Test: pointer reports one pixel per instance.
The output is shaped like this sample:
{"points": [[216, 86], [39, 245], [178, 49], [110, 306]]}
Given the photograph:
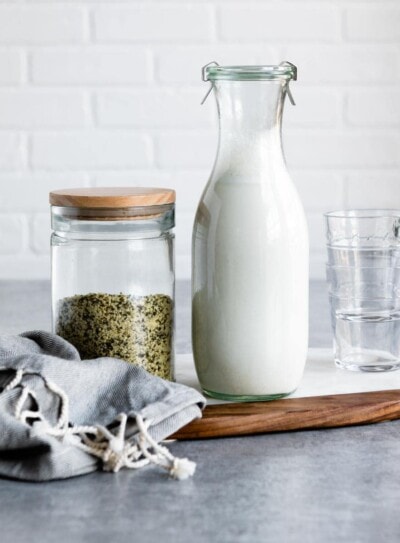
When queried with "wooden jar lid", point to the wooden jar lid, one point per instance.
{"points": [[107, 197]]}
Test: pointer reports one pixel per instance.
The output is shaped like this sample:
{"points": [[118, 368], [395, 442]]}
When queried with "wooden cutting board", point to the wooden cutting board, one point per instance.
{"points": [[239, 419]]}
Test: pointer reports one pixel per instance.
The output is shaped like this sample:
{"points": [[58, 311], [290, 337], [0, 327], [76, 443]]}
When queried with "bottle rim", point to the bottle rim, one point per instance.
{"points": [[360, 214], [284, 70]]}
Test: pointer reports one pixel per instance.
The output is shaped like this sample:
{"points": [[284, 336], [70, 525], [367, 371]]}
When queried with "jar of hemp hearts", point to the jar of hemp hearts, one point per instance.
{"points": [[113, 273]]}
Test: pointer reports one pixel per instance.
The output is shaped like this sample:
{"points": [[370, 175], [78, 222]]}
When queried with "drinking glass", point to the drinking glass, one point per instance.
{"points": [[363, 274]]}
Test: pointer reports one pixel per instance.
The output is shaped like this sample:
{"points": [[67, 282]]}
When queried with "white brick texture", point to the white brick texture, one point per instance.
{"points": [[41, 25], [41, 109], [247, 22], [374, 108], [12, 234], [316, 108], [40, 239], [373, 23], [153, 109], [89, 66], [10, 67], [96, 93], [28, 191], [11, 152], [372, 190], [89, 150], [348, 150], [154, 23]]}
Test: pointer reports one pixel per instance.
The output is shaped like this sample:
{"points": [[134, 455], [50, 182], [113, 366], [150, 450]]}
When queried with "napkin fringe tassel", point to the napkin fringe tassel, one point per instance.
{"points": [[111, 447]]}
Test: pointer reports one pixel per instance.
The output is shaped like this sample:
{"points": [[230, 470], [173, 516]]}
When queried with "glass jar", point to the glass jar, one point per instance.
{"points": [[113, 274], [250, 246]]}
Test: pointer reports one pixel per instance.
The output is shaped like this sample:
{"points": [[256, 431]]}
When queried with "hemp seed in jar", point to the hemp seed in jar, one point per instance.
{"points": [[113, 274]]}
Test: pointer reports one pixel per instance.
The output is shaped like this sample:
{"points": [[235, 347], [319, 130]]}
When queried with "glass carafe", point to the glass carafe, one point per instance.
{"points": [[250, 246]]}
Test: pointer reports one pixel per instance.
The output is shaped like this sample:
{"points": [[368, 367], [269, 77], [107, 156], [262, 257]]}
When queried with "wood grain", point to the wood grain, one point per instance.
{"points": [[111, 197], [239, 419]]}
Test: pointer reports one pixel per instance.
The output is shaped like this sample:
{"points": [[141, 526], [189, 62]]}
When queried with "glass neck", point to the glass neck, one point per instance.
{"points": [[250, 118]]}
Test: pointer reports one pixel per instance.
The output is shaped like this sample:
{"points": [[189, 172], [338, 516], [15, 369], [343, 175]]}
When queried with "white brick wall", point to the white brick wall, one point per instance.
{"points": [[297, 22], [175, 22], [89, 149], [373, 108], [38, 109], [373, 23], [107, 93], [90, 65], [38, 25], [11, 62], [12, 147]]}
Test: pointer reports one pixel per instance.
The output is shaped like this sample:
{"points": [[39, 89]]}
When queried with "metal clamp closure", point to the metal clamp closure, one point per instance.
{"points": [[294, 68], [203, 70], [204, 78]]}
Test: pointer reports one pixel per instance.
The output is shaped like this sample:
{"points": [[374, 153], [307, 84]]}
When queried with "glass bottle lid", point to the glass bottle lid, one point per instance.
{"points": [[111, 197], [285, 70]]}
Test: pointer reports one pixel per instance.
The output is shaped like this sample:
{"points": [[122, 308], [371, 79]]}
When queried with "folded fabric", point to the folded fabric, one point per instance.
{"points": [[61, 416]]}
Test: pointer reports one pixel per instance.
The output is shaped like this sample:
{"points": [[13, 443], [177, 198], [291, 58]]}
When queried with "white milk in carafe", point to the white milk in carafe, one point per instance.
{"points": [[250, 284]]}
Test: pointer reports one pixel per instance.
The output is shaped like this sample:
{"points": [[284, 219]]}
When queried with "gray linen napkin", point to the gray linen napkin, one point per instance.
{"points": [[61, 416]]}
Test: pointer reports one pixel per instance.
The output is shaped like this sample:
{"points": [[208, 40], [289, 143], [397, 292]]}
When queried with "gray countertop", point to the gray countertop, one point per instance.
{"points": [[315, 486]]}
